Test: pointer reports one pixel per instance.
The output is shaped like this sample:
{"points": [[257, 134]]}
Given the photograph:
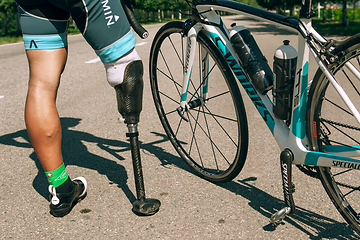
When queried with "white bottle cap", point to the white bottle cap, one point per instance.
{"points": [[286, 51]]}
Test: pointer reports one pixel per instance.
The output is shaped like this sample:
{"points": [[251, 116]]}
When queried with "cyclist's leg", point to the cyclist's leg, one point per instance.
{"points": [[41, 116], [113, 41], [45, 47], [45, 44]]}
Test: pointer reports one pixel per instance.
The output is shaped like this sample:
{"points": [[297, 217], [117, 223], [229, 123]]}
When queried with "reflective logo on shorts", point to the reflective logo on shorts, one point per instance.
{"points": [[108, 13], [33, 42]]}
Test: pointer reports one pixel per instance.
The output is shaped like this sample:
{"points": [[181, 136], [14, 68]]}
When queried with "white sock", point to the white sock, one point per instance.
{"points": [[115, 69]]}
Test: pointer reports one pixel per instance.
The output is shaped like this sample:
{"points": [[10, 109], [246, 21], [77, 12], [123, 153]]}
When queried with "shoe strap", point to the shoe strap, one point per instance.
{"points": [[54, 200]]}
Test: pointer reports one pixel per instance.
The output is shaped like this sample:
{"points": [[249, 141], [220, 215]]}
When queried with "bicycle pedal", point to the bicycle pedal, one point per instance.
{"points": [[277, 217]]}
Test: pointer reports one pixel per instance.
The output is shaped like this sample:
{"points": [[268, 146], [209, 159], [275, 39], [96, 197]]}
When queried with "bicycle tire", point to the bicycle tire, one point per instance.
{"points": [[214, 142], [328, 122]]}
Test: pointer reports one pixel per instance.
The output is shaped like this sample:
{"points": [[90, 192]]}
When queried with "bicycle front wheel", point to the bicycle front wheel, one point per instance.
{"points": [[330, 122], [211, 136]]}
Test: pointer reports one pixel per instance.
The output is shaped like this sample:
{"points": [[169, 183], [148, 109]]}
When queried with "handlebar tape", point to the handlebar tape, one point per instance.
{"points": [[142, 32]]}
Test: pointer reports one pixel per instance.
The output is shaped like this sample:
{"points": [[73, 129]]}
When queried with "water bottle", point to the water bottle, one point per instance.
{"points": [[284, 67], [252, 60]]}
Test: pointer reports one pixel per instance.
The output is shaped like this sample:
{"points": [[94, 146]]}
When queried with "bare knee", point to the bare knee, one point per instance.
{"points": [[46, 67]]}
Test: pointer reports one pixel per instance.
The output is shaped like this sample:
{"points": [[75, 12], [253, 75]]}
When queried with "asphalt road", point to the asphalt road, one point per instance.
{"points": [[95, 147]]}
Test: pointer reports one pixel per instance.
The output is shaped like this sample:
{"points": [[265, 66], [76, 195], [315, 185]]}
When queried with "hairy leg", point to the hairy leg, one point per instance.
{"points": [[41, 116]]}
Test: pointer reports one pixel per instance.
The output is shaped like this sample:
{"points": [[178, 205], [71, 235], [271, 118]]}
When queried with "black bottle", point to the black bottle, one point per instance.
{"points": [[285, 59], [252, 60]]}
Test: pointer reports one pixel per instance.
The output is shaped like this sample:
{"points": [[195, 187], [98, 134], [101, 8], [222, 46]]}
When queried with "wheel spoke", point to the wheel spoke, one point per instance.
{"points": [[176, 51], [212, 145], [193, 138], [338, 106], [352, 84], [339, 173], [177, 85], [216, 115], [175, 101], [213, 115], [218, 95]]}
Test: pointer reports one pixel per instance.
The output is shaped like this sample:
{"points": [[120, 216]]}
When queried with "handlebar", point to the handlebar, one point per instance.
{"points": [[142, 32]]}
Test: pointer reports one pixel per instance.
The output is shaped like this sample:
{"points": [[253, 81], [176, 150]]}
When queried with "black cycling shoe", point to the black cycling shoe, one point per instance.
{"points": [[62, 203]]}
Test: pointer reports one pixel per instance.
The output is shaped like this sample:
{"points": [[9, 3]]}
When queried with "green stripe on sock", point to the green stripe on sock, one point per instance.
{"points": [[57, 176]]}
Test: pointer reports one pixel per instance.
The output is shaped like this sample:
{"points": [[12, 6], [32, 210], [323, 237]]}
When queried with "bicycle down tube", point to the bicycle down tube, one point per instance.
{"points": [[294, 136]]}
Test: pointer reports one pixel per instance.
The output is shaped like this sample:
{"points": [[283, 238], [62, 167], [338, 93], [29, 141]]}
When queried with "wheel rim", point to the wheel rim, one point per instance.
{"points": [[210, 140], [330, 124]]}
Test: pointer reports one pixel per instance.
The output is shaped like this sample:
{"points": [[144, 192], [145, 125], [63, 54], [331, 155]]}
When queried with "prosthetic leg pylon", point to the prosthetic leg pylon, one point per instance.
{"points": [[129, 99]]}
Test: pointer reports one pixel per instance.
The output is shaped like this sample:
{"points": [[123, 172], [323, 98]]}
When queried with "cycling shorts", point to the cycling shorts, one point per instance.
{"points": [[103, 23]]}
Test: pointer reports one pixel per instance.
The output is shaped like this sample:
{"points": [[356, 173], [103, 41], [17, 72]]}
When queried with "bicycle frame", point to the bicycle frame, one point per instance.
{"points": [[291, 137]]}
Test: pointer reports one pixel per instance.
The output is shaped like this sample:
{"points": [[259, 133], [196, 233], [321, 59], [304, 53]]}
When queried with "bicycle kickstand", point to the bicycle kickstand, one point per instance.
{"points": [[286, 158]]}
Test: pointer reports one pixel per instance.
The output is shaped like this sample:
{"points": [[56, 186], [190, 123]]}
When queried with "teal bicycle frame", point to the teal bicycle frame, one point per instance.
{"points": [[291, 137]]}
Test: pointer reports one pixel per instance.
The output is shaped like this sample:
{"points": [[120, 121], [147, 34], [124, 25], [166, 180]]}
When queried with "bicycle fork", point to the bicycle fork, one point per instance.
{"points": [[200, 96], [286, 159]]}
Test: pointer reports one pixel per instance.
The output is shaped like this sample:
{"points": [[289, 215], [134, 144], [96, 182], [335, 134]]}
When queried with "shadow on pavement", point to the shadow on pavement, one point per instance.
{"points": [[76, 153], [264, 27], [314, 225]]}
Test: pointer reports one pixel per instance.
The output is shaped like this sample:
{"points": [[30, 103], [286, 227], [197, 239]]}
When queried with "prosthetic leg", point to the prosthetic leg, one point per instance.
{"points": [[129, 99]]}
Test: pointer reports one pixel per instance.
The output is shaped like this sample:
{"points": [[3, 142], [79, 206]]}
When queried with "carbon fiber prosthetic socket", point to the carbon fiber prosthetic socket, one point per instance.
{"points": [[129, 93]]}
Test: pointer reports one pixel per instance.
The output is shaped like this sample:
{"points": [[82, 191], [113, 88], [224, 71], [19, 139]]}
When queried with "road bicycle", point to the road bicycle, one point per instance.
{"points": [[196, 68]]}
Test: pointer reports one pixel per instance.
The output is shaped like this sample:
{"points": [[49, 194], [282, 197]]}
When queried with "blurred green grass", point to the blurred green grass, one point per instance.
{"points": [[335, 28]]}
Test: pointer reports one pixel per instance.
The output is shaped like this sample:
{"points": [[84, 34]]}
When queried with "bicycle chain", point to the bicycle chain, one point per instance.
{"points": [[347, 186], [310, 171], [340, 124]]}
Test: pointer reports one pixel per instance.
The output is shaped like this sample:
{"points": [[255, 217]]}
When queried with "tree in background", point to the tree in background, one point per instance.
{"points": [[253, 3], [279, 5], [148, 6], [159, 6], [345, 17], [354, 7], [8, 9], [282, 5], [324, 19], [344, 3], [345, 14]]}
